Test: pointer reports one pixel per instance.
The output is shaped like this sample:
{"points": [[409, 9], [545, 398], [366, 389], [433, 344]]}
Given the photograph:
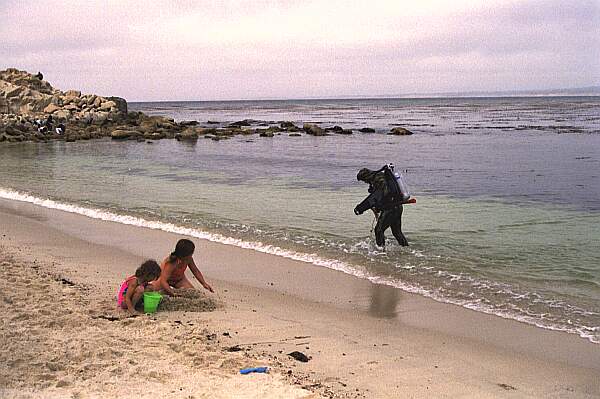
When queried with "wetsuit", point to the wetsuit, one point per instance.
{"points": [[389, 213]]}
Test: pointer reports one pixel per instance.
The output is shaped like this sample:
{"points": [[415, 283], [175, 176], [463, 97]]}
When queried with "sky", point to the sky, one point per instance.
{"points": [[225, 50]]}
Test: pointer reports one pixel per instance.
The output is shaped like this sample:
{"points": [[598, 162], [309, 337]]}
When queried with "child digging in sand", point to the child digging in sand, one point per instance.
{"points": [[132, 289], [174, 267]]}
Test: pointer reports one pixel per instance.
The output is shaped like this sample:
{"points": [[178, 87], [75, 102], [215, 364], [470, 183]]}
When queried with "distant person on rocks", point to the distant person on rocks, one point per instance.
{"points": [[60, 129], [49, 123], [174, 267], [39, 76], [40, 126], [387, 209]]}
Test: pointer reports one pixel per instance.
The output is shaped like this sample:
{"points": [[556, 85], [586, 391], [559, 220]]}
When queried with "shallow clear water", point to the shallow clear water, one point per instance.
{"points": [[507, 221]]}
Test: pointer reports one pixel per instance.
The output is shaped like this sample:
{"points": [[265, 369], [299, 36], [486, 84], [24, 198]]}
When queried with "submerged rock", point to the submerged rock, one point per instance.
{"points": [[266, 133], [366, 130], [290, 126], [314, 130], [188, 134], [400, 131]]}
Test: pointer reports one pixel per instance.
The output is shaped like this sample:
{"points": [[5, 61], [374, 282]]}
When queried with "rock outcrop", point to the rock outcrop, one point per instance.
{"points": [[31, 110], [25, 94]]}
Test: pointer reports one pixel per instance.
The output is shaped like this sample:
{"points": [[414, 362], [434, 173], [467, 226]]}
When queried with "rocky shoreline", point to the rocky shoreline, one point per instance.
{"points": [[30, 108]]}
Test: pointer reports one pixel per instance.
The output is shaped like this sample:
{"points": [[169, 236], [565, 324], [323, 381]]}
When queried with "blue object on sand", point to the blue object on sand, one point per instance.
{"points": [[254, 370]]}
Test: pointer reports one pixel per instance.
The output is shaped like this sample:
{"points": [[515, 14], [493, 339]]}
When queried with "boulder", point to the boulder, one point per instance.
{"points": [[164, 122], [366, 130], [205, 130], [123, 134], [400, 131], [245, 122], [40, 104], [294, 135], [26, 109], [72, 93], [313, 130], [16, 139], [188, 123], [121, 104], [274, 129], [188, 134], [62, 114], [288, 125], [227, 132], [266, 133], [155, 136], [13, 91], [107, 105], [147, 126], [11, 131], [100, 118]]}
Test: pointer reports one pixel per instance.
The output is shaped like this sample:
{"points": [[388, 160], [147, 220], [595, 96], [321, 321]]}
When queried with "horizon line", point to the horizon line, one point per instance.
{"points": [[381, 97]]}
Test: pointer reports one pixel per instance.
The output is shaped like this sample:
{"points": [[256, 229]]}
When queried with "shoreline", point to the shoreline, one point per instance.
{"points": [[306, 258], [377, 339]]}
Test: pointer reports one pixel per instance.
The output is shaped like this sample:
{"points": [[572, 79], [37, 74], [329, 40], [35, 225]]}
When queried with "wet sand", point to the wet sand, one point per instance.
{"points": [[363, 340]]}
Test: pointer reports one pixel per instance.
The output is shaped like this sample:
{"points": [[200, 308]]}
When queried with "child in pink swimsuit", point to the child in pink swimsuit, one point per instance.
{"points": [[132, 289]]}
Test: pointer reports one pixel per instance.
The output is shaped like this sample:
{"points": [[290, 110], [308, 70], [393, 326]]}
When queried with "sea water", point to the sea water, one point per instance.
{"points": [[507, 219]]}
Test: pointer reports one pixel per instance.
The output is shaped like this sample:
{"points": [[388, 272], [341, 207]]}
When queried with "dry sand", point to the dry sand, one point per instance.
{"points": [[63, 339], [61, 336]]}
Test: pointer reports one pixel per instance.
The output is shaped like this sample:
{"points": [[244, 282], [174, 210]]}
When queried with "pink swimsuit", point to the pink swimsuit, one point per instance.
{"points": [[122, 291]]}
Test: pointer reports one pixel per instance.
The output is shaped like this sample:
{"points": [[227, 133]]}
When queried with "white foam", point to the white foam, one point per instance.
{"points": [[477, 305]]}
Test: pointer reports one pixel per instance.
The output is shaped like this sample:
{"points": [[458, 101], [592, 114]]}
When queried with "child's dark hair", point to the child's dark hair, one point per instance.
{"points": [[183, 248], [148, 269]]}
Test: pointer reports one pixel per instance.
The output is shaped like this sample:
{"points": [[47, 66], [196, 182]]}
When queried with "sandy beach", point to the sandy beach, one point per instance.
{"points": [[61, 335]]}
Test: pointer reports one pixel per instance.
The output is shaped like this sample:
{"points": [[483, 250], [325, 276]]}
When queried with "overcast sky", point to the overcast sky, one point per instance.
{"points": [[212, 50]]}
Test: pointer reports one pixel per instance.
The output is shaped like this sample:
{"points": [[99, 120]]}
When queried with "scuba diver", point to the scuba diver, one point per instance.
{"points": [[387, 193]]}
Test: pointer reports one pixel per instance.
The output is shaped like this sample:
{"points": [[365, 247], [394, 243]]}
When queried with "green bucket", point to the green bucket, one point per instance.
{"points": [[151, 301]]}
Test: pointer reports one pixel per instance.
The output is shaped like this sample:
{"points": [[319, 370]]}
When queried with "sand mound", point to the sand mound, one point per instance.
{"points": [[188, 300]]}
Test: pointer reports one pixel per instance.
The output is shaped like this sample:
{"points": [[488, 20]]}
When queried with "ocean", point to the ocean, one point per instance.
{"points": [[507, 219]]}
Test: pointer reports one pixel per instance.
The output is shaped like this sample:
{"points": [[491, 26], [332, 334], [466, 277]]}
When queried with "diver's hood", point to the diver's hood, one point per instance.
{"points": [[365, 175]]}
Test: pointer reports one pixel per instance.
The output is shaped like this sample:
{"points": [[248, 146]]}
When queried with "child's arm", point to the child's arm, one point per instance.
{"points": [[131, 287], [196, 272], [163, 280]]}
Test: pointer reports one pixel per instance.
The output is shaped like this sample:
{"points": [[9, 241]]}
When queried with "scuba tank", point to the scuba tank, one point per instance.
{"points": [[397, 191], [397, 187]]}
